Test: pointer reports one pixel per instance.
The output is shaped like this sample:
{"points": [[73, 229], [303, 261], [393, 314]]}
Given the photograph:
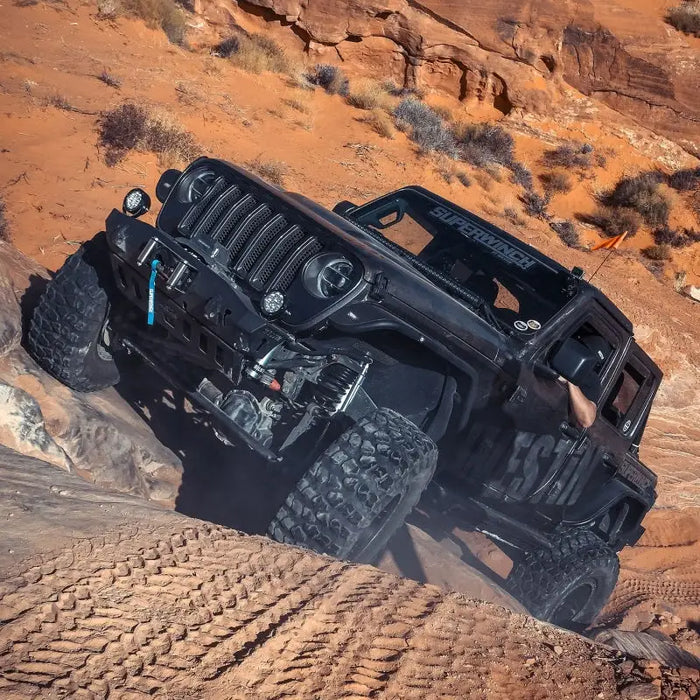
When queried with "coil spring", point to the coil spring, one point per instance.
{"points": [[334, 382]]}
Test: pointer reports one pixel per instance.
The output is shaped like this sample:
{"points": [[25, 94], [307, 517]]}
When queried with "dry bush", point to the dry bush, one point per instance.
{"points": [[424, 126], [535, 205], [395, 91], [642, 194], [494, 171], [521, 175], [554, 182], [226, 47], [567, 233], [613, 221], [676, 238], [685, 17], [570, 155], [657, 252], [685, 180], [464, 179], [514, 216], [109, 79], [256, 53], [480, 144], [60, 102], [131, 127], [331, 78], [108, 9], [483, 179], [369, 94], [380, 122], [4, 223], [273, 171], [158, 13]]}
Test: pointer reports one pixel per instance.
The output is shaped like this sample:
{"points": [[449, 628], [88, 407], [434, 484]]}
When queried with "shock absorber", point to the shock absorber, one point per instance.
{"points": [[337, 385]]}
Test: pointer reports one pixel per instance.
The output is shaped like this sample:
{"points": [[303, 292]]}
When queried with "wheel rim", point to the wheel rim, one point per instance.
{"points": [[372, 533], [574, 604]]}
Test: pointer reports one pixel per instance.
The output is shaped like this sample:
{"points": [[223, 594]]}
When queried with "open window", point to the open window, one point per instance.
{"points": [[628, 396]]}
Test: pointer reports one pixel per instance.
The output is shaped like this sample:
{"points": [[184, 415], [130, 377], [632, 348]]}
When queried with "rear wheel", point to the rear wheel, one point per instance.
{"points": [[361, 489], [69, 334], [568, 584]]}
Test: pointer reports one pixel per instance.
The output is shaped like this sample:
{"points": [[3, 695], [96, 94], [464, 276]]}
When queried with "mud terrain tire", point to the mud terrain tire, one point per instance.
{"points": [[68, 322], [568, 584], [359, 492]]}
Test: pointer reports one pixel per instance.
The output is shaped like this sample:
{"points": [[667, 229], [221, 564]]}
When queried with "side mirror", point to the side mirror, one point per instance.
{"points": [[166, 183], [574, 361]]}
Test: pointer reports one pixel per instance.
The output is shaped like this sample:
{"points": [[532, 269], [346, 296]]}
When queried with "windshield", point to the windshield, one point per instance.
{"points": [[523, 289]]}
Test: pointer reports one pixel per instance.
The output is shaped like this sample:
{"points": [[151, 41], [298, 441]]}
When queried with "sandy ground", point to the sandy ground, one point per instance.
{"points": [[58, 190]]}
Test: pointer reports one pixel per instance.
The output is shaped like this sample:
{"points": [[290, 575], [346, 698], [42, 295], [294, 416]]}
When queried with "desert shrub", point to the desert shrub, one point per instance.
{"points": [[464, 179], [642, 194], [227, 47], [513, 216], [555, 182], [480, 144], [390, 87], [4, 224], [380, 122], [109, 79], [685, 17], [676, 238], [425, 127], [158, 13], [131, 127], [535, 205], [368, 94], [297, 104], [657, 252], [567, 233], [613, 221], [60, 102], [570, 155], [685, 180], [273, 171], [521, 176], [257, 53], [331, 78]]}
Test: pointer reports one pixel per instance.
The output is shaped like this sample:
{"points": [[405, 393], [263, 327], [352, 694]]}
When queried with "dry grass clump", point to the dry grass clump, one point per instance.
{"points": [[298, 103], [109, 79], [131, 127], [613, 221], [256, 53], [156, 13], [535, 205], [331, 78], [657, 252], [555, 182], [567, 233], [60, 102], [642, 194], [426, 127], [380, 122], [4, 223], [685, 17], [464, 179], [273, 171], [369, 94]]}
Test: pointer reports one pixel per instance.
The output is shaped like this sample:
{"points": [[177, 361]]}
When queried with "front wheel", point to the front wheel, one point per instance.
{"points": [[360, 490], [68, 333], [569, 583]]}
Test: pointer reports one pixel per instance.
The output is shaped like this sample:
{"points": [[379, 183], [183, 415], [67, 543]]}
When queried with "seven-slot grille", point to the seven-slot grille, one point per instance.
{"points": [[266, 250]]}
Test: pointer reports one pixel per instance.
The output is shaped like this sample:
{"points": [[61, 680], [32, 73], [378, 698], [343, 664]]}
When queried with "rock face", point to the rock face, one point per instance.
{"points": [[510, 53], [98, 436]]}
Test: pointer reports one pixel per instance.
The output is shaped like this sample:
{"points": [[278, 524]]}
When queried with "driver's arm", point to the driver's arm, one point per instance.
{"points": [[583, 408]]}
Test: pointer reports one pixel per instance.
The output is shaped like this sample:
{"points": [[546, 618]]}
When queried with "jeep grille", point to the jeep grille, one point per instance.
{"points": [[266, 251]]}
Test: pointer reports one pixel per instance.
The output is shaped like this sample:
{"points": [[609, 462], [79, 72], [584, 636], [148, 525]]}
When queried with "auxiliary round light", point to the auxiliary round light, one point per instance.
{"points": [[272, 303], [136, 202]]}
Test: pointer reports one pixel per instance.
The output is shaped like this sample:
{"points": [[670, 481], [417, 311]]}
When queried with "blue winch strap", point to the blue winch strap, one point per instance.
{"points": [[152, 291]]}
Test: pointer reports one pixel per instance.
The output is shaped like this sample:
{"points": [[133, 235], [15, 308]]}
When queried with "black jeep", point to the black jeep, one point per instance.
{"points": [[379, 346]]}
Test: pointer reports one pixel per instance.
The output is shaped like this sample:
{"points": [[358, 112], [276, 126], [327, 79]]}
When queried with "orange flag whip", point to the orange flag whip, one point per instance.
{"points": [[610, 244]]}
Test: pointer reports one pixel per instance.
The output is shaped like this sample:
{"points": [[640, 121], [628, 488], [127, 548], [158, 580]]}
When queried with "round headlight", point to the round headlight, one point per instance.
{"points": [[136, 202], [328, 275], [272, 303], [195, 185]]}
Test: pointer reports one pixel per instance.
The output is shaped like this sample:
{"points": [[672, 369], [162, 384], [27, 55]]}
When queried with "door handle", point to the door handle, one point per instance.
{"points": [[571, 431]]}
